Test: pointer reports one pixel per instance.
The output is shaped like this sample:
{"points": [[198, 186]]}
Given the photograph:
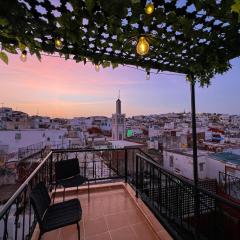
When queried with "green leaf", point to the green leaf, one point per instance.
{"points": [[236, 7], [90, 4], [135, 1], [38, 55], [3, 21], [106, 64], [10, 49], [114, 65], [4, 57], [21, 46]]}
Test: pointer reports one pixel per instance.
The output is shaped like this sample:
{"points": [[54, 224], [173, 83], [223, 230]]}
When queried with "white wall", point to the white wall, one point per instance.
{"points": [[214, 167], [29, 137], [183, 165]]}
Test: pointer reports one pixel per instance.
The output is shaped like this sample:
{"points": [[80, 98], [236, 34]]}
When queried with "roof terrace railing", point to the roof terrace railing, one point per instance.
{"points": [[172, 199], [229, 185]]}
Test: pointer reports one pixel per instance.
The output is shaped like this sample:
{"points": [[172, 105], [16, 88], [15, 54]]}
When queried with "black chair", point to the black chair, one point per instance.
{"points": [[67, 174], [51, 217]]}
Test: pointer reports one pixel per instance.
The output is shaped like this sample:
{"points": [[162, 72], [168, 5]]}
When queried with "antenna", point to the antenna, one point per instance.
{"points": [[118, 94]]}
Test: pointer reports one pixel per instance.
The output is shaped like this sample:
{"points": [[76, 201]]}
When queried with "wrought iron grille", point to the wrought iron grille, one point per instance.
{"points": [[185, 211]]}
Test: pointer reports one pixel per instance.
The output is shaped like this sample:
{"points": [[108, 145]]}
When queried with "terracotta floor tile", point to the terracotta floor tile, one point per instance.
{"points": [[143, 232], [110, 214], [111, 207], [116, 220], [95, 226], [93, 210], [134, 216], [156, 224], [70, 232], [101, 236], [145, 209], [56, 234], [125, 233]]}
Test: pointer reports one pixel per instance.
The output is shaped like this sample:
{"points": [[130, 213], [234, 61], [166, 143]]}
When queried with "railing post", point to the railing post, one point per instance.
{"points": [[195, 157], [51, 169], [126, 165], [136, 174]]}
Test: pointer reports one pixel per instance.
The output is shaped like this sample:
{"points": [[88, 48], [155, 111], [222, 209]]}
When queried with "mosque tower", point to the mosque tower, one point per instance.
{"points": [[118, 123]]}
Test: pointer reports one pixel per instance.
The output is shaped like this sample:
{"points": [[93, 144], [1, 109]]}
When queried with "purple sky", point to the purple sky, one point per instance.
{"points": [[60, 88]]}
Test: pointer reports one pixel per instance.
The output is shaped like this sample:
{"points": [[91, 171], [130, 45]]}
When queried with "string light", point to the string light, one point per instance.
{"points": [[58, 44], [97, 67], [142, 46], [23, 56], [128, 66], [148, 76], [149, 8]]}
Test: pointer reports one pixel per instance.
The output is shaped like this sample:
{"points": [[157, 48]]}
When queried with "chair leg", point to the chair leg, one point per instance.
{"points": [[88, 190], [78, 228], [54, 193]]}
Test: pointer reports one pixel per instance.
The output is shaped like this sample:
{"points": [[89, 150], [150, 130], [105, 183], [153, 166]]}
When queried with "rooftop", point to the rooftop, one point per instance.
{"points": [[123, 143], [187, 152], [227, 157], [110, 213]]}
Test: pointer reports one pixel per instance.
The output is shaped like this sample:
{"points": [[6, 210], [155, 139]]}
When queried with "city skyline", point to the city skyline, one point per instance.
{"points": [[74, 90]]}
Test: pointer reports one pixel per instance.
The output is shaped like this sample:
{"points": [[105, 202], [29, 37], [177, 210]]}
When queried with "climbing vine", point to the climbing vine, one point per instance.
{"points": [[197, 37]]}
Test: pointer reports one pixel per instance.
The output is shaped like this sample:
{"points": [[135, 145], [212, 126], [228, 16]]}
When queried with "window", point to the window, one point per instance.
{"points": [[171, 161], [201, 167], [18, 136], [48, 139]]}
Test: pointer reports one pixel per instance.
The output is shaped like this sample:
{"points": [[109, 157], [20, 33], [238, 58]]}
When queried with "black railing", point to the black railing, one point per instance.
{"points": [[229, 185], [17, 220], [28, 151], [172, 199]]}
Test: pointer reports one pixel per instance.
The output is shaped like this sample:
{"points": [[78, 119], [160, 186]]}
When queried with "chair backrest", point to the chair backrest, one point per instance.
{"points": [[40, 201], [66, 169]]}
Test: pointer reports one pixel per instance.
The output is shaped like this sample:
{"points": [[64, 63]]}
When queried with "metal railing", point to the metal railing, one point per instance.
{"points": [[229, 185], [186, 211], [172, 199], [17, 220], [28, 151]]}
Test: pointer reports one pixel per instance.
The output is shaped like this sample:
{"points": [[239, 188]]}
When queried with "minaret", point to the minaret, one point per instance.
{"points": [[118, 122]]}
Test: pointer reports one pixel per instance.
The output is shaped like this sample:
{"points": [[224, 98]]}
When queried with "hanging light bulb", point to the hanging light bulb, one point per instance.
{"points": [[58, 44], [97, 67], [23, 56], [148, 76], [149, 8], [142, 46]]}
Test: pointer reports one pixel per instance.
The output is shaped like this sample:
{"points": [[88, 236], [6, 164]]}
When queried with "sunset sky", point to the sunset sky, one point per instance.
{"points": [[60, 88]]}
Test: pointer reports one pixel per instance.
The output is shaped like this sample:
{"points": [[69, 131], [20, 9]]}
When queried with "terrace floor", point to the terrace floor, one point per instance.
{"points": [[111, 213]]}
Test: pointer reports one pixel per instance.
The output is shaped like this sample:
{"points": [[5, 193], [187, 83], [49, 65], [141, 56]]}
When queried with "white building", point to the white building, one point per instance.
{"points": [[154, 131], [180, 161], [228, 162], [13, 140], [118, 123]]}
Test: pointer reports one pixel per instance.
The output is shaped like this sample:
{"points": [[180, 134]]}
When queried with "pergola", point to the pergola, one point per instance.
{"points": [[193, 37]]}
